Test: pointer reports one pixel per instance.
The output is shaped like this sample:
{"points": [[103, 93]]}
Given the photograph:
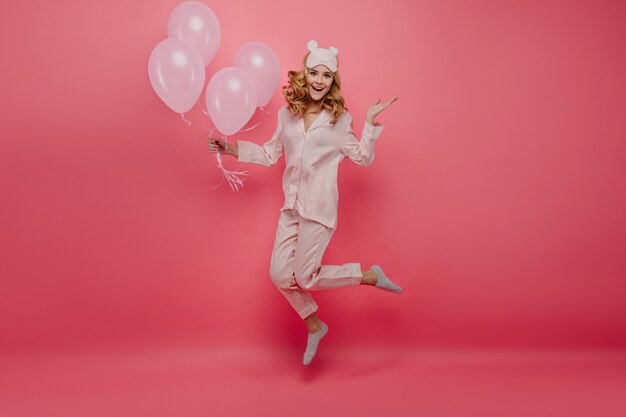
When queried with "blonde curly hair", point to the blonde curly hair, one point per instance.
{"points": [[297, 95]]}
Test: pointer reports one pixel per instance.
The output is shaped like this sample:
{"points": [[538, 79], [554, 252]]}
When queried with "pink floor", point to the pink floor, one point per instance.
{"points": [[197, 382]]}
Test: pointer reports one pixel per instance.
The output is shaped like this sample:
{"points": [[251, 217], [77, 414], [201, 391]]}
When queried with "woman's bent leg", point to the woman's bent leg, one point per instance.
{"points": [[310, 274], [282, 265]]}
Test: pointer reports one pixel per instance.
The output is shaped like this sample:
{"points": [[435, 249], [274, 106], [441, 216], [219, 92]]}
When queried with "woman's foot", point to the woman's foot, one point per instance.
{"points": [[383, 282], [313, 342]]}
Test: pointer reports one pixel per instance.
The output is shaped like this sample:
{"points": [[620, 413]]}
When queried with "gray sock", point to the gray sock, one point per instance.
{"points": [[385, 283], [314, 340]]}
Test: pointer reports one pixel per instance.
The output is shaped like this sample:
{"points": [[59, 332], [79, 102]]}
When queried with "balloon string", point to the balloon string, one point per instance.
{"points": [[253, 127], [250, 128], [206, 113], [231, 176], [189, 123]]}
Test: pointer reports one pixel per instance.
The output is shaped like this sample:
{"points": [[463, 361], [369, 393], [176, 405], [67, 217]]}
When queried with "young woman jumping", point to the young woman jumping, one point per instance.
{"points": [[314, 131]]}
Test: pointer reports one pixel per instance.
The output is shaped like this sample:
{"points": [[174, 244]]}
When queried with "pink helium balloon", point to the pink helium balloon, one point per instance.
{"points": [[262, 64], [176, 73], [194, 22], [231, 99]]}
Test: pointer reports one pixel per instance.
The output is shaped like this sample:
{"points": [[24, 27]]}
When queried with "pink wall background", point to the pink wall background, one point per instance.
{"points": [[496, 199]]}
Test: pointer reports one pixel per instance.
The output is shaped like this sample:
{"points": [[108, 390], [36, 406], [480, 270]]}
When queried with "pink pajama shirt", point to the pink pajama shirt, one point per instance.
{"points": [[309, 215]]}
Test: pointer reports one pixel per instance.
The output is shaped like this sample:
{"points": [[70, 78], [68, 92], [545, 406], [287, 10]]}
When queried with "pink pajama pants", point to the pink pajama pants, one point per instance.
{"points": [[296, 266]]}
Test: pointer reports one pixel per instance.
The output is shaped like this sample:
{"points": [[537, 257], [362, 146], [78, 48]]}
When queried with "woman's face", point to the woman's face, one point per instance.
{"points": [[319, 79]]}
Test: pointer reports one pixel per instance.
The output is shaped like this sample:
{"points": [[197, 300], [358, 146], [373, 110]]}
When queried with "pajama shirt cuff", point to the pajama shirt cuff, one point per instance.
{"points": [[244, 150], [371, 132]]}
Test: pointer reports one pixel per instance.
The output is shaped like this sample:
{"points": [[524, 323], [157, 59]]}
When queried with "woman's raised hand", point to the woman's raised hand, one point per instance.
{"points": [[376, 108], [218, 145]]}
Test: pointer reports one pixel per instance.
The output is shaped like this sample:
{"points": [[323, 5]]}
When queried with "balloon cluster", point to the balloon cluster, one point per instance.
{"points": [[177, 68], [177, 71]]}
